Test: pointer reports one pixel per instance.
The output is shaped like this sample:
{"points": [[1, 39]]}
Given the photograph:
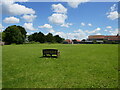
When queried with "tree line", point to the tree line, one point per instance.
{"points": [[49, 38], [17, 34]]}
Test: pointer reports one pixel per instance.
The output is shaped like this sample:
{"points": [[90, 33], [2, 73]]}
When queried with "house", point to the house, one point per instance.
{"points": [[67, 41], [2, 43], [96, 37], [112, 38], [103, 38], [75, 41]]}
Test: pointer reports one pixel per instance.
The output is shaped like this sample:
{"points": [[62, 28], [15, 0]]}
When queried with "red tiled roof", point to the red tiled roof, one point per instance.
{"points": [[96, 36], [78, 40], [68, 40], [104, 37]]}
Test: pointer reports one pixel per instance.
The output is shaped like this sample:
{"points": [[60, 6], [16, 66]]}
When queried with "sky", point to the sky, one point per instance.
{"points": [[70, 20]]}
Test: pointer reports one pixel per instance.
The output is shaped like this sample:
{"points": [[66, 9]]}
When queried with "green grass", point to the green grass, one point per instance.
{"points": [[0, 67], [79, 66]]}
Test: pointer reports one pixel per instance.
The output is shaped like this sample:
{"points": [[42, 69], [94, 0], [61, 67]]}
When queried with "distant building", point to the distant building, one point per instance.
{"points": [[2, 43], [75, 41], [67, 41], [112, 38], [102, 38], [96, 37]]}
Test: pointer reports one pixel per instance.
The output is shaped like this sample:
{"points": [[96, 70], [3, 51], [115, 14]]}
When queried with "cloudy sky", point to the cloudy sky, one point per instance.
{"points": [[73, 20]]}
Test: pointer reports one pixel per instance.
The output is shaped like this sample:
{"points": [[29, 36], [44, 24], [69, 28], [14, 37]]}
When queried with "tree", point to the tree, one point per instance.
{"points": [[83, 40], [2, 36], [30, 38], [37, 37], [94, 41], [34, 36], [14, 34], [58, 39], [41, 37], [23, 31], [50, 38]]}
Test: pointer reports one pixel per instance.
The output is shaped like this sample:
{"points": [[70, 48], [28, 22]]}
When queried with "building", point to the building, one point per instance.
{"points": [[112, 38], [96, 37], [2, 43], [104, 39], [67, 41], [75, 41]]}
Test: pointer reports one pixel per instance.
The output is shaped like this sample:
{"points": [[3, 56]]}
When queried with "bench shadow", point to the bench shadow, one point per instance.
{"points": [[48, 57]]}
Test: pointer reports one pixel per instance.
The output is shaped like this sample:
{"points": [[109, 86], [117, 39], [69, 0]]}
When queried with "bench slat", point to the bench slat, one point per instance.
{"points": [[51, 52]]}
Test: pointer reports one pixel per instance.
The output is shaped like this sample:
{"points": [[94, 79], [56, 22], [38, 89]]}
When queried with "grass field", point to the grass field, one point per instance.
{"points": [[79, 66]]}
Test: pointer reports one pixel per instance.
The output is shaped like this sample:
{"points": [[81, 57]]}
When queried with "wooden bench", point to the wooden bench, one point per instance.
{"points": [[51, 52]]}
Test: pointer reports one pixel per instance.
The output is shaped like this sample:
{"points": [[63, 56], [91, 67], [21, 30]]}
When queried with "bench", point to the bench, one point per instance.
{"points": [[51, 52]]}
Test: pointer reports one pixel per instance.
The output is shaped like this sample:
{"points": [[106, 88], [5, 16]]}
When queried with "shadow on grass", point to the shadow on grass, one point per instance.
{"points": [[48, 57]]}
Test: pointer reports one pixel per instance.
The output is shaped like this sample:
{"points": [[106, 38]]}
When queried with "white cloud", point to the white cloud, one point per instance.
{"points": [[1, 27], [94, 31], [82, 24], [89, 24], [45, 26], [52, 31], [98, 29], [81, 33], [113, 8], [78, 34], [109, 27], [59, 8], [11, 20], [76, 3], [113, 13], [66, 25], [12, 8], [105, 30], [29, 33], [29, 18], [115, 32], [21, 0], [57, 18], [98, 34], [29, 26], [61, 34]]}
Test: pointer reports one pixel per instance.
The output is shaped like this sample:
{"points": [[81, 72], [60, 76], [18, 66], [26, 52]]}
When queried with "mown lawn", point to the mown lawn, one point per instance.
{"points": [[79, 66]]}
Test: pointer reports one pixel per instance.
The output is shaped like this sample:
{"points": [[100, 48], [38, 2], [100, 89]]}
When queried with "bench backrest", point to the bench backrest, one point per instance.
{"points": [[50, 51]]}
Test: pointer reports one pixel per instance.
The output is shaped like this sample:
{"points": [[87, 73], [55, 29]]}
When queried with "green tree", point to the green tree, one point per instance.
{"points": [[83, 40], [14, 34], [41, 37], [50, 38], [30, 38], [3, 36], [58, 39], [37, 37], [23, 31], [94, 41]]}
